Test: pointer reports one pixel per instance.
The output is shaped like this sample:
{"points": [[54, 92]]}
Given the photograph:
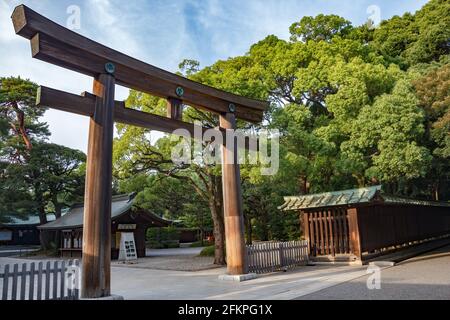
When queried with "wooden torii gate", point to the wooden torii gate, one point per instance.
{"points": [[57, 45]]}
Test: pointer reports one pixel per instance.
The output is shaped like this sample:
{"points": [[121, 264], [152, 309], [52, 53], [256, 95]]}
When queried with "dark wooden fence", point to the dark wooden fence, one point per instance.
{"points": [[39, 281], [328, 231], [390, 225], [265, 257]]}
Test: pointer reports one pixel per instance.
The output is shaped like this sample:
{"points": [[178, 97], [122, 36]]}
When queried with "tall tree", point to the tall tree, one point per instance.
{"points": [[17, 108], [321, 27]]}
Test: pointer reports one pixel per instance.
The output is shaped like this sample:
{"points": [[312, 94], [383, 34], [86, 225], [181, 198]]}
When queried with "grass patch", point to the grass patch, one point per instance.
{"points": [[207, 252], [199, 244]]}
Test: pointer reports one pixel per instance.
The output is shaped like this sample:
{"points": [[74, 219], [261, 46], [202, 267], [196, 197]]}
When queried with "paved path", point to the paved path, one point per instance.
{"points": [[424, 277], [142, 284], [8, 251]]}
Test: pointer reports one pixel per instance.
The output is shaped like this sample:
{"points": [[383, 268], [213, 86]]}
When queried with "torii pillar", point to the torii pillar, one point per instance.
{"points": [[59, 46], [96, 267], [237, 267]]}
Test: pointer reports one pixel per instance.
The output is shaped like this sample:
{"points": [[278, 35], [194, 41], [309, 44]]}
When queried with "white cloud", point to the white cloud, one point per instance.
{"points": [[112, 26], [162, 33]]}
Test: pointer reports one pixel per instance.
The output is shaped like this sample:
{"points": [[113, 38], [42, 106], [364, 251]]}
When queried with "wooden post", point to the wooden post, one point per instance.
{"points": [[175, 109], [232, 204], [97, 206], [304, 218], [355, 240]]}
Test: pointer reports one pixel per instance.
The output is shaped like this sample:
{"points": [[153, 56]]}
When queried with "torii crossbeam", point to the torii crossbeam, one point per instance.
{"points": [[55, 44]]}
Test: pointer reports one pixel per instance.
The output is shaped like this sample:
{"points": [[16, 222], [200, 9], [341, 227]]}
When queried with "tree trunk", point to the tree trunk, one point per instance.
{"points": [[248, 228], [219, 232], [58, 209], [22, 130]]}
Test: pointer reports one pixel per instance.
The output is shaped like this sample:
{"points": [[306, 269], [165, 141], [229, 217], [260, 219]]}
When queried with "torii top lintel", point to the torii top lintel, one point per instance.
{"points": [[55, 44]]}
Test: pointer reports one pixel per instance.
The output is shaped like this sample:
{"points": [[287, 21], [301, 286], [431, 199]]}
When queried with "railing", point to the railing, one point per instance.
{"points": [[52, 281], [265, 257]]}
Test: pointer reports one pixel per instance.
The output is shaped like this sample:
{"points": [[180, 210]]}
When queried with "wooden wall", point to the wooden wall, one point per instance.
{"points": [[366, 229], [383, 225]]}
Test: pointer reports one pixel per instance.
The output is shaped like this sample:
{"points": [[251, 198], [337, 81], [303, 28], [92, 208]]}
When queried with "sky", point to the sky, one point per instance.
{"points": [[163, 33]]}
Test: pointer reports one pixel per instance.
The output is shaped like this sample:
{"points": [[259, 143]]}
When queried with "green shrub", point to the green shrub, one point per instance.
{"points": [[208, 252], [170, 244], [163, 234], [200, 244], [154, 245]]}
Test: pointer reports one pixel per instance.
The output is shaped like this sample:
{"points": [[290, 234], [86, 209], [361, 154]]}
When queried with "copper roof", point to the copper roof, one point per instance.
{"points": [[349, 197], [119, 206]]}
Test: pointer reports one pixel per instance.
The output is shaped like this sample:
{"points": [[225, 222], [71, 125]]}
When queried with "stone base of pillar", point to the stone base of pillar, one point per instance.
{"points": [[111, 297], [238, 278]]}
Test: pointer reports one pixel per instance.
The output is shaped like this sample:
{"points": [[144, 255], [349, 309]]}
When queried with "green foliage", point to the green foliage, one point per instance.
{"points": [[321, 27], [36, 176], [355, 106], [207, 252], [387, 135], [163, 238], [199, 244], [419, 38]]}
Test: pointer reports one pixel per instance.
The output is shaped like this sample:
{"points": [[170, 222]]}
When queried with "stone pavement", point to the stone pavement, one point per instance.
{"points": [[424, 277], [142, 284], [8, 251]]}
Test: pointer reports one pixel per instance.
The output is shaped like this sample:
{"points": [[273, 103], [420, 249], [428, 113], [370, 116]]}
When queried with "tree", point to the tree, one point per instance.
{"points": [[354, 107], [189, 67], [433, 92], [169, 197], [322, 27], [51, 176], [35, 174], [386, 139], [419, 38], [17, 107]]}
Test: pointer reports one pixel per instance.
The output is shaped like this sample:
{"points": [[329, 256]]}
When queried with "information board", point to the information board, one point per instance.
{"points": [[127, 251]]}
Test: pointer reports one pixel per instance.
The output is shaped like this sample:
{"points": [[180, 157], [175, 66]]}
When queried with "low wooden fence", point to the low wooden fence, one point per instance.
{"points": [[265, 257], [38, 281]]}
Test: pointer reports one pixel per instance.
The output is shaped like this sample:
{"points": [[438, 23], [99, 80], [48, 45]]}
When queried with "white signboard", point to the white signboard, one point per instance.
{"points": [[127, 251]]}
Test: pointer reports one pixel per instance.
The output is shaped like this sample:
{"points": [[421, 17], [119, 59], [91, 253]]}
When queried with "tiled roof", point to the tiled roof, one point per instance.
{"points": [[31, 220], [74, 217], [348, 197]]}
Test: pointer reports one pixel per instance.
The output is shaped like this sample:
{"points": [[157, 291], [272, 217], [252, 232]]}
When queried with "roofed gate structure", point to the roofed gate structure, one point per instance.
{"points": [[362, 223], [57, 45], [125, 217]]}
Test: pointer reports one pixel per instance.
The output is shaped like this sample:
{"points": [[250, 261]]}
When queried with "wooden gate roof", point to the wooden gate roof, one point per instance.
{"points": [[348, 198], [60, 46]]}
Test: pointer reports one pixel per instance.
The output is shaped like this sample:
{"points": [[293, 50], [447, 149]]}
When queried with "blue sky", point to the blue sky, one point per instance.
{"points": [[164, 32]]}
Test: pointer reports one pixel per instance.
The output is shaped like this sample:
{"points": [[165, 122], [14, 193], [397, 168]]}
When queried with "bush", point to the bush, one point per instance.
{"points": [[163, 238], [163, 234], [208, 252], [170, 244], [154, 245], [199, 244]]}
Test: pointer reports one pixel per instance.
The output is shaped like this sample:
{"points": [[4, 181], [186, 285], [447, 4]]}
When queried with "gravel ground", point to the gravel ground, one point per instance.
{"points": [[177, 259], [175, 263]]}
